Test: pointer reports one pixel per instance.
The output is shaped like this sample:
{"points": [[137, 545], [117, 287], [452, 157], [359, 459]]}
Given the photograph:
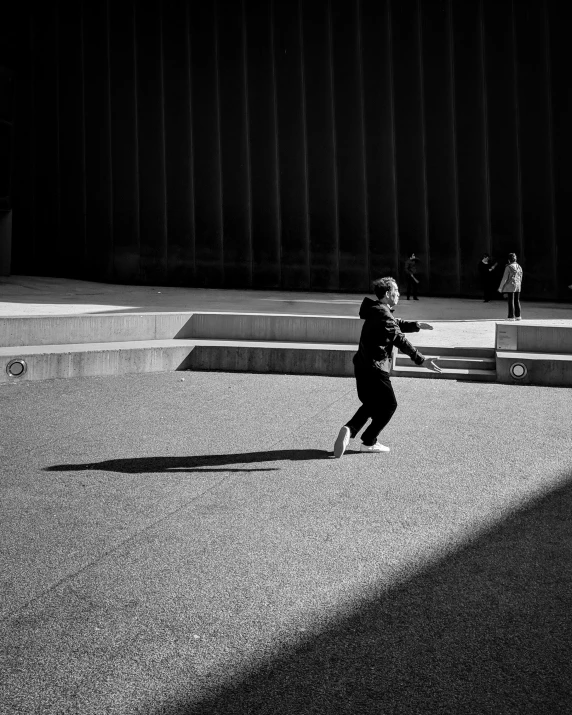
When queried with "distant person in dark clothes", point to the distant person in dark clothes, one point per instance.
{"points": [[372, 365], [487, 273], [412, 280], [510, 285]]}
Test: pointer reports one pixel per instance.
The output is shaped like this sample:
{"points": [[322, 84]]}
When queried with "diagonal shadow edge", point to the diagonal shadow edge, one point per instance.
{"points": [[484, 629]]}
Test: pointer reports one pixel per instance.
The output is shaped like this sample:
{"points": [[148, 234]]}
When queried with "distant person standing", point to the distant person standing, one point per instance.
{"points": [[511, 284], [410, 274], [487, 274]]}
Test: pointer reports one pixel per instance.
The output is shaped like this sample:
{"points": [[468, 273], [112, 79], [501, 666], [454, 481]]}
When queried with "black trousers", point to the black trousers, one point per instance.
{"points": [[513, 300], [411, 287], [375, 392], [489, 289]]}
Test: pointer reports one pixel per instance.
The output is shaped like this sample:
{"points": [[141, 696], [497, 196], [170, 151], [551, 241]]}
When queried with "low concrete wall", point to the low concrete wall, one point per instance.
{"points": [[100, 328], [554, 339], [160, 356], [541, 369], [119, 327], [89, 363], [300, 361], [280, 328], [544, 353]]}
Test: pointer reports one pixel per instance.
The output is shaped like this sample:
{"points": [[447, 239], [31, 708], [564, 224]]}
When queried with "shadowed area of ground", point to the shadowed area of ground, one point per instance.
{"points": [[485, 630], [186, 544]]}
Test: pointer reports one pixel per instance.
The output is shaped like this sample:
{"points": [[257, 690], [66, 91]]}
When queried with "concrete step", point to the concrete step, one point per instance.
{"points": [[100, 328], [43, 362], [122, 327], [476, 375], [534, 368], [451, 362], [454, 351]]}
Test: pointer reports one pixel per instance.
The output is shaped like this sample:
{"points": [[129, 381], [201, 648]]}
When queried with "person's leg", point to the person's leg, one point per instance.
{"points": [[414, 284], [357, 422], [510, 301], [409, 283], [489, 291], [382, 405], [365, 384], [517, 304]]}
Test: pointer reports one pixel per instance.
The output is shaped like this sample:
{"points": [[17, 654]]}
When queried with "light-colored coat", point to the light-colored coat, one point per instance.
{"points": [[512, 279]]}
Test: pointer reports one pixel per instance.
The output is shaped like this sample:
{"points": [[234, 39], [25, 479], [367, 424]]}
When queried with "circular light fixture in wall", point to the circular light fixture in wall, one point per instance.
{"points": [[518, 370], [16, 368]]}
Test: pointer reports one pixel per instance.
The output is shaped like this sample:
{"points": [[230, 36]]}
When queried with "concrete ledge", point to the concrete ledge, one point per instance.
{"points": [[116, 358], [452, 362], [74, 329], [549, 369], [454, 350], [285, 358], [63, 361], [473, 374], [306, 358], [535, 338], [270, 327], [121, 327]]}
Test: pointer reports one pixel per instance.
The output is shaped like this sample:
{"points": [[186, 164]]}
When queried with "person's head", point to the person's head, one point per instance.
{"points": [[512, 257], [412, 257], [386, 291], [485, 258]]}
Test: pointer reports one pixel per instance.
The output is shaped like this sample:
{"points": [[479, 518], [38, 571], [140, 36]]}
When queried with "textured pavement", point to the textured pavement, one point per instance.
{"points": [[184, 543]]}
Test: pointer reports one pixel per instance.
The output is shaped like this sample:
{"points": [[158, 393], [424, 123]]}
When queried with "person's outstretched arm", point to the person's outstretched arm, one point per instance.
{"points": [[401, 343]]}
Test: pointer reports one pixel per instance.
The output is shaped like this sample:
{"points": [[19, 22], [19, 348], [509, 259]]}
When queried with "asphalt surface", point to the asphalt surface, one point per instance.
{"points": [[185, 543]]}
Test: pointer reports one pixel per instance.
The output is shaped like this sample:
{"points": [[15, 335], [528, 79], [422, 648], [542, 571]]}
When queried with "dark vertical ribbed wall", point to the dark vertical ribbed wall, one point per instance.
{"points": [[301, 145]]}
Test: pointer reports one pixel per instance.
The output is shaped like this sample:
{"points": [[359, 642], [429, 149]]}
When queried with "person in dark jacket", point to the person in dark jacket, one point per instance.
{"points": [[487, 269], [412, 280], [381, 332]]}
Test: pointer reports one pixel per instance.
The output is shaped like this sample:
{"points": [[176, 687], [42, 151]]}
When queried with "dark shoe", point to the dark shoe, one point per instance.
{"points": [[342, 441], [415, 298]]}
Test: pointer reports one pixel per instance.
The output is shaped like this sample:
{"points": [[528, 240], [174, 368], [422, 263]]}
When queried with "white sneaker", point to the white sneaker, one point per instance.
{"points": [[377, 447], [517, 318], [342, 441]]}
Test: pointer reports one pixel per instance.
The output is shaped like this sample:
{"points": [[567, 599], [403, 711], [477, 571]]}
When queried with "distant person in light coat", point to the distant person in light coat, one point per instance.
{"points": [[510, 285]]}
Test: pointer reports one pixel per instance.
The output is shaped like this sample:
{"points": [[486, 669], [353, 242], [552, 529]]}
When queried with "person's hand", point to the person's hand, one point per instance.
{"points": [[499, 290], [425, 326], [430, 365]]}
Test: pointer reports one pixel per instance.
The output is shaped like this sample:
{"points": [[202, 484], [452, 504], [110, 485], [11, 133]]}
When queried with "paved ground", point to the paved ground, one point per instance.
{"points": [[458, 322], [184, 543]]}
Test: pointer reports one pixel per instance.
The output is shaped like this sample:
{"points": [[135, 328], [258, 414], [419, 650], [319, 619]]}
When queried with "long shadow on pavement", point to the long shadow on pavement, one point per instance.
{"points": [[486, 630], [200, 462]]}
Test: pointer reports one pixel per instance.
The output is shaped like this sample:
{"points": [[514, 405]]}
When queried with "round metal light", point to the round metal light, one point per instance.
{"points": [[518, 370], [16, 368]]}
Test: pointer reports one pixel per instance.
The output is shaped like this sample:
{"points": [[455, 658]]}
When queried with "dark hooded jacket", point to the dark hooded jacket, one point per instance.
{"points": [[380, 332]]}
